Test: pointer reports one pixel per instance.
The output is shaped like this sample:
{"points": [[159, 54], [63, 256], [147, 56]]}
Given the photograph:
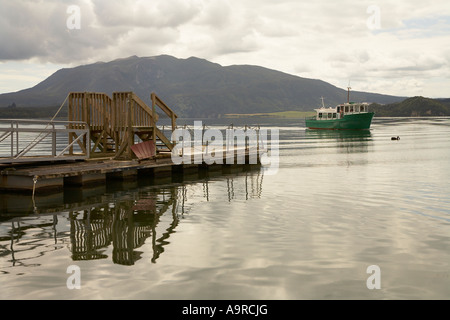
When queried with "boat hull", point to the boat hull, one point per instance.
{"points": [[357, 121]]}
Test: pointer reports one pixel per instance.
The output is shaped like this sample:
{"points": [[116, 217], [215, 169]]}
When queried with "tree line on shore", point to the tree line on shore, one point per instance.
{"points": [[410, 107]]}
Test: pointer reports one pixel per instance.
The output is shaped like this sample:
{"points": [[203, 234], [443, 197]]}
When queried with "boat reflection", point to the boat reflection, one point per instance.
{"points": [[117, 225], [345, 141], [338, 134]]}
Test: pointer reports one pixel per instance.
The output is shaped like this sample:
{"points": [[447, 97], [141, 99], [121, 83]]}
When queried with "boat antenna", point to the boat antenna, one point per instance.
{"points": [[323, 105], [348, 92]]}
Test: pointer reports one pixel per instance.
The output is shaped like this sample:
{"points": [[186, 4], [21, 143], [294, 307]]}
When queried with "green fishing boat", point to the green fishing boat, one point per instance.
{"points": [[350, 116]]}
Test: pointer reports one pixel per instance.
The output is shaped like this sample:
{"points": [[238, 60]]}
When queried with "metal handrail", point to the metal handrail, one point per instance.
{"points": [[44, 129]]}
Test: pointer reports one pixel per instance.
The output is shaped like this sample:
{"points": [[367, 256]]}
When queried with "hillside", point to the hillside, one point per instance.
{"points": [[193, 87], [413, 107]]}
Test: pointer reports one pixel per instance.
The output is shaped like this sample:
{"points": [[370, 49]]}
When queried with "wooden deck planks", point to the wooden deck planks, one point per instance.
{"points": [[55, 175]]}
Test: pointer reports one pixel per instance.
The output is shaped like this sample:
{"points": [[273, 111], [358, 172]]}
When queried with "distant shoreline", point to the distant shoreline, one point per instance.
{"points": [[281, 114]]}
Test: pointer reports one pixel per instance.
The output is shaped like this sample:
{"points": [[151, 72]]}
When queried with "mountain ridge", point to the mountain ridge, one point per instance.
{"points": [[192, 87], [417, 106]]}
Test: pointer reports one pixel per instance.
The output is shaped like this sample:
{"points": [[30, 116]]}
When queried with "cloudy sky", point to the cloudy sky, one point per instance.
{"points": [[391, 47]]}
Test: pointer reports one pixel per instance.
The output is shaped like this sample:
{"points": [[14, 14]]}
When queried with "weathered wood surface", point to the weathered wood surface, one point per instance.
{"points": [[114, 122], [58, 170]]}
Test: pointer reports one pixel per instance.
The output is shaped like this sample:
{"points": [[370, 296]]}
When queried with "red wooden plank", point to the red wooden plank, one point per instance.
{"points": [[144, 150]]}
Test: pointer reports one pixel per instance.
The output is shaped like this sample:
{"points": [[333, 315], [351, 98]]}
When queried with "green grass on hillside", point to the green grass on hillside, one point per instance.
{"points": [[282, 114]]}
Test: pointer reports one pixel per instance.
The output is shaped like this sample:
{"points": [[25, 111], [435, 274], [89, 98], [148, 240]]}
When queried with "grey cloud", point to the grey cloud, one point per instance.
{"points": [[129, 13], [25, 28], [217, 14], [418, 67], [363, 56], [31, 29]]}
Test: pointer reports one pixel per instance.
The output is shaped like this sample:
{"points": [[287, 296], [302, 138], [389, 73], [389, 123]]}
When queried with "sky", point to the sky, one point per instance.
{"points": [[398, 47]]}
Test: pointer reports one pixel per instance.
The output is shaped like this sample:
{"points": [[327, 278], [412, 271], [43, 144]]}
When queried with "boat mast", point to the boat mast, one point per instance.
{"points": [[323, 105], [348, 94]]}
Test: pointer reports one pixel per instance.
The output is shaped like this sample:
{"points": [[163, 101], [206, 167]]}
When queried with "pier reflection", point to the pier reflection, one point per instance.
{"points": [[125, 225]]}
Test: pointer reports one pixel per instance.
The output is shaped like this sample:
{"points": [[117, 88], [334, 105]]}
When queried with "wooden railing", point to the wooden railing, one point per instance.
{"points": [[114, 122], [156, 101], [93, 108]]}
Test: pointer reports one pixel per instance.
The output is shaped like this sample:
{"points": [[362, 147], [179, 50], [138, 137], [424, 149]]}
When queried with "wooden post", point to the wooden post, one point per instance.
{"points": [[105, 122], [84, 108], [153, 122], [84, 113], [115, 122], [131, 121], [70, 118], [173, 122]]}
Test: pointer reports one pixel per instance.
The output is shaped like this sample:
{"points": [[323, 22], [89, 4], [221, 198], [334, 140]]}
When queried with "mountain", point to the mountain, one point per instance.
{"points": [[192, 87], [414, 107]]}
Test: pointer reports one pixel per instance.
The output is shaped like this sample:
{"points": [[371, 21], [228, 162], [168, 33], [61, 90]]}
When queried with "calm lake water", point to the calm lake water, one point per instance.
{"points": [[339, 203]]}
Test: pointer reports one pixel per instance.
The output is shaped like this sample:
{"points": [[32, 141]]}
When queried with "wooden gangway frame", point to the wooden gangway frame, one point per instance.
{"points": [[116, 122]]}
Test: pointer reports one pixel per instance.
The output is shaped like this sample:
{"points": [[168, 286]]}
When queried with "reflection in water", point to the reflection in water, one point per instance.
{"points": [[22, 254], [337, 205], [347, 141], [126, 225], [343, 148], [340, 135], [122, 221]]}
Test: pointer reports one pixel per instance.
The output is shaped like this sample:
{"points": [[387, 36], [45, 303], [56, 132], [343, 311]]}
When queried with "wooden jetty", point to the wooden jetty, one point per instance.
{"points": [[107, 137]]}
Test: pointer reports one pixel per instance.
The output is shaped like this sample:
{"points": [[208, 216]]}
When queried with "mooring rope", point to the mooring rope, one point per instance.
{"points": [[35, 179], [60, 108]]}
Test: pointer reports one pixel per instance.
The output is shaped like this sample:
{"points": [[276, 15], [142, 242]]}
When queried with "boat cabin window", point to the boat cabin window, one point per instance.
{"points": [[361, 109], [320, 115], [351, 109], [334, 115], [346, 109], [329, 115], [338, 109]]}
